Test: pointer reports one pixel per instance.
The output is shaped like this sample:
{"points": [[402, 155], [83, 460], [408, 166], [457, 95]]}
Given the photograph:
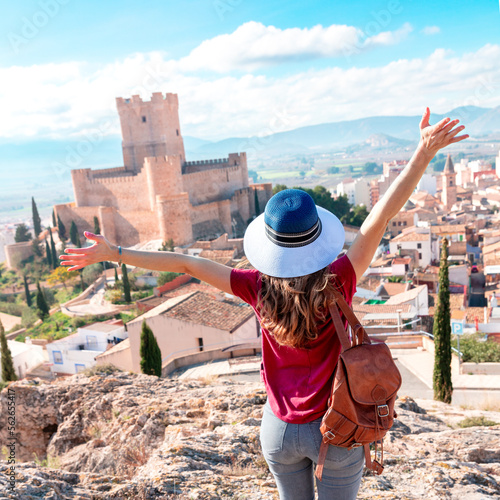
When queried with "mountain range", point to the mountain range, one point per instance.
{"points": [[42, 167]]}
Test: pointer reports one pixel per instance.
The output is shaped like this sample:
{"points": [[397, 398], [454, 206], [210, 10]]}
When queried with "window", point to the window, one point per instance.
{"points": [[419, 245], [200, 343], [404, 223], [451, 183], [143, 119], [177, 132], [419, 255], [79, 367], [393, 223], [58, 359]]}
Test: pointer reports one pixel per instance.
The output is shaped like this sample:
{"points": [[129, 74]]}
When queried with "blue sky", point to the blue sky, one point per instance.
{"points": [[241, 66]]}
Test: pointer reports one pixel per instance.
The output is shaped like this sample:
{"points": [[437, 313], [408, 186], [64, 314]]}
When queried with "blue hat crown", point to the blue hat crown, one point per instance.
{"points": [[291, 219]]}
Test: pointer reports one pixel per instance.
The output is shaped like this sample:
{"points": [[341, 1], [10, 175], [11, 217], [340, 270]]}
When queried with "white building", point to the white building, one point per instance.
{"points": [[77, 352], [357, 191], [418, 239], [428, 184], [497, 163], [25, 356]]}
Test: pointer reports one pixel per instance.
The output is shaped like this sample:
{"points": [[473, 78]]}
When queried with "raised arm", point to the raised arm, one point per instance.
{"points": [[206, 270], [432, 139]]}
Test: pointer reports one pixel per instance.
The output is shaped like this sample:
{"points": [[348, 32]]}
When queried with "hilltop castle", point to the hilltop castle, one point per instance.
{"points": [[157, 193]]}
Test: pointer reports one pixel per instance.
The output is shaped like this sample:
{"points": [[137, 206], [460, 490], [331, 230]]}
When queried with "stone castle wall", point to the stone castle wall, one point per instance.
{"points": [[157, 194]]}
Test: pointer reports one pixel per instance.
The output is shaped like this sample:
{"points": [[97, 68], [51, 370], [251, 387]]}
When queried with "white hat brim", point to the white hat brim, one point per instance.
{"points": [[285, 262]]}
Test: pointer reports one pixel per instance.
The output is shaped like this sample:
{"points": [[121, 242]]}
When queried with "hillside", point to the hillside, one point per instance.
{"points": [[122, 435]]}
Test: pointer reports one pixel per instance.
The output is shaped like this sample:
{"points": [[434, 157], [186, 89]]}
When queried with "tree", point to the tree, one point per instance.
{"points": [[61, 275], [37, 247], [333, 170], [22, 233], [126, 284], [41, 303], [48, 253], [37, 222], [55, 260], [27, 291], [150, 352], [73, 233], [116, 276], [167, 246], [54, 222], [442, 383], [8, 371], [257, 204], [97, 227], [61, 228], [357, 215]]}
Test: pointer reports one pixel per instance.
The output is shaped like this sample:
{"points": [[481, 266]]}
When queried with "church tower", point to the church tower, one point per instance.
{"points": [[150, 128], [448, 181]]}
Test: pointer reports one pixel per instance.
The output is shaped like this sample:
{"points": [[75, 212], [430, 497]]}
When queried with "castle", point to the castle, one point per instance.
{"points": [[157, 194]]}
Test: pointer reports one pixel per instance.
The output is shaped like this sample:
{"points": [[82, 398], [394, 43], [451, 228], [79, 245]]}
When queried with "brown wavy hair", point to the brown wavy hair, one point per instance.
{"points": [[290, 308]]}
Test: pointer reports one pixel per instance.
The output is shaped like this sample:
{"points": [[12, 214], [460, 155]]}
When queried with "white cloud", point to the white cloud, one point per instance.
{"points": [[71, 99], [253, 45], [431, 30]]}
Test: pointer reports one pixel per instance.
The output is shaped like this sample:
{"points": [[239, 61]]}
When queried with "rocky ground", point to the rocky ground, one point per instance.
{"points": [[124, 436]]}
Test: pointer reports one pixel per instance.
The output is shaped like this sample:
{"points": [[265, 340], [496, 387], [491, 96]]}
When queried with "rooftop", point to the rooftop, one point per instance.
{"points": [[203, 309], [401, 298]]}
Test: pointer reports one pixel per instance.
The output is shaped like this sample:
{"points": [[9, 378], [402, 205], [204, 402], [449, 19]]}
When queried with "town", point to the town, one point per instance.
{"points": [[60, 323]]}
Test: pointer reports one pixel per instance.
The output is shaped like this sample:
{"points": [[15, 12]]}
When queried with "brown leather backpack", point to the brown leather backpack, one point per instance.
{"points": [[361, 405]]}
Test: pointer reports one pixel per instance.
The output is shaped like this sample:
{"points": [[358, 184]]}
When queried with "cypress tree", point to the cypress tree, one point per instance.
{"points": [[257, 204], [442, 383], [54, 222], [48, 253], [116, 276], [126, 284], [73, 233], [55, 262], [97, 228], [61, 228], [8, 371], [150, 352], [37, 222], [41, 303], [27, 291]]}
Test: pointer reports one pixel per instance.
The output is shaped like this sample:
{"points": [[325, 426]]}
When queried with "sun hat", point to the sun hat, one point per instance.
{"points": [[293, 237]]}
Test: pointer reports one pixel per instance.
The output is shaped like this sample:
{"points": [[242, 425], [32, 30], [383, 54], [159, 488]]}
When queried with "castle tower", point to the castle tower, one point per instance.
{"points": [[449, 186], [149, 128]]}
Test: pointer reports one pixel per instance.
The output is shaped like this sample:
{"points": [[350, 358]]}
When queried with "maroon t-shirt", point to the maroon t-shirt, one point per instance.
{"points": [[298, 381]]}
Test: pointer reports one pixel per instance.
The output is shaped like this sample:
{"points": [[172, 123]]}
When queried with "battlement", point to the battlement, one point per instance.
{"points": [[156, 97]]}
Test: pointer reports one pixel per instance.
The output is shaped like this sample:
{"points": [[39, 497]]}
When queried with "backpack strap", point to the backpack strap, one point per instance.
{"points": [[339, 327], [359, 334]]}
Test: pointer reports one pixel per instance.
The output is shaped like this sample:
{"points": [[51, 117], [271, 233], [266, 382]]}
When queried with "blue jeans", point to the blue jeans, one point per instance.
{"points": [[291, 450]]}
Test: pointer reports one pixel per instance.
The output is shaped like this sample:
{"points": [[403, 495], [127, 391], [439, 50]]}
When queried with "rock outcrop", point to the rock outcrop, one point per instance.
{"points": [[121, 435]]}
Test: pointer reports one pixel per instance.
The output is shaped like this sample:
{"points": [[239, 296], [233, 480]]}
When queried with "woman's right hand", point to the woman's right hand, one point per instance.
{"points": [[102, 250]]}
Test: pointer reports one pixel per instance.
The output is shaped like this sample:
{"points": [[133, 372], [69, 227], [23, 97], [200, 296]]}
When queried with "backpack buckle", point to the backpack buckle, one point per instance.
{"points": [[385, 409], [328, 435]]}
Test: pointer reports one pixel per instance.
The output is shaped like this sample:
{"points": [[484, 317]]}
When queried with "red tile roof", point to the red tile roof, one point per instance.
{"points": [[203, 309]]}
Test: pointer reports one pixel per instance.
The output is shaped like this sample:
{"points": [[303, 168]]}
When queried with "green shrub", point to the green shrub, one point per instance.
{"points": [[476, 421], [166, 278], [107, 369], [477, 351]]}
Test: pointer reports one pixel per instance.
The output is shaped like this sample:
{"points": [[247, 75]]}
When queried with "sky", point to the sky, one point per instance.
{"points": [[241, 67]]}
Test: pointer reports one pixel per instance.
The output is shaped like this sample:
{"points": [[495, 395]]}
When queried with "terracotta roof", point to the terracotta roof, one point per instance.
{"points": [[221, 256], [401, 298], [362, 309], [392, 288], [401, 260], [413, 236], [369, 283], [456, 302], [203, 309], [182, 290], [448, 229]]}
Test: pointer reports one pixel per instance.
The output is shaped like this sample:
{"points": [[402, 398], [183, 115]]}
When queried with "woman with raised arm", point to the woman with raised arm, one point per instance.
{"points": [[293, 247]]}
